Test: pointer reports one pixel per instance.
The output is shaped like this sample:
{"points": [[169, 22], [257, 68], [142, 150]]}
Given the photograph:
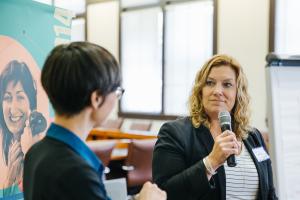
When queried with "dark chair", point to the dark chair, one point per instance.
{"points": [[103, 149], [138, 163], [266, 139]]}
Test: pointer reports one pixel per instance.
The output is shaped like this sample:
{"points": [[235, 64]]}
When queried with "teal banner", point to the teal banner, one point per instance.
{"points": [[28, 32]]}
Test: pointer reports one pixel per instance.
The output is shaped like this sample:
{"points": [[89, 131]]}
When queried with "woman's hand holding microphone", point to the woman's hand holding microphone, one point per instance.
{"points": [[225, 145]]}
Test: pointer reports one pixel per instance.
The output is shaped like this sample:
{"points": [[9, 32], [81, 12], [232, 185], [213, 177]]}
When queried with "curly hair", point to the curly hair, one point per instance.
{"points": [[240, 112]]}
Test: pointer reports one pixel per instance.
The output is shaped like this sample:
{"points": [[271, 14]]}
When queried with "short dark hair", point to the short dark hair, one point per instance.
{"points": [[72, 72]]}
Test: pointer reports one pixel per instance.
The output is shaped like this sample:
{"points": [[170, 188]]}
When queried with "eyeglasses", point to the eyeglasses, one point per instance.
{"points": [[119, 92]]}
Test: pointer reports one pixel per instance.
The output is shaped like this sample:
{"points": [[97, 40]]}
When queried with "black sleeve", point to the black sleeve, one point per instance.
{"points": [[80, 182], [271, 193], [170, 168]]}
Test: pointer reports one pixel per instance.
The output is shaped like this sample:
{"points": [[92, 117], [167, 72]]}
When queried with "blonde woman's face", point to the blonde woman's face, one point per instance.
{"points": [[219, 91]]}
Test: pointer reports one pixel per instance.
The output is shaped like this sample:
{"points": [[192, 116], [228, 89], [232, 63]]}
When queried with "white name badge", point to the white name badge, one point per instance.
{"points": [[260, 154]]}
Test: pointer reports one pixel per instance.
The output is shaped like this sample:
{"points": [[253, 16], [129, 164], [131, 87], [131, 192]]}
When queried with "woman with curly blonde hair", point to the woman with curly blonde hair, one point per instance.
{"points": [[240, 111], [189, 160]]}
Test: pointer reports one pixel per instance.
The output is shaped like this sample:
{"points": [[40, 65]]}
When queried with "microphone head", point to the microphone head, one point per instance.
{"points": [[37, 122], [224, 118]]}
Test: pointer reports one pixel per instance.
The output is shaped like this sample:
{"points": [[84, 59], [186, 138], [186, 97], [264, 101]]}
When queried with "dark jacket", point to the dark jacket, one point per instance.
{"points": [[54, 171], [178, 167]]}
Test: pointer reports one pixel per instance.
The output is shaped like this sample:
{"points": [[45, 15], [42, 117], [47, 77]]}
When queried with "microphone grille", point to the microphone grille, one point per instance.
{"points": [[224, 117]]}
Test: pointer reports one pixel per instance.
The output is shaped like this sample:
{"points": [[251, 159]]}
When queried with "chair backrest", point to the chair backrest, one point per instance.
{"points": [[266, 139], [140, 126], [103, 149], [140, 153], [112, 123]]}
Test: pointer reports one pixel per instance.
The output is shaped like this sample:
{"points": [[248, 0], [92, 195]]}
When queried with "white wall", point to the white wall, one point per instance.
{"points": [[103, 29], [103, 25], [243, 32]]}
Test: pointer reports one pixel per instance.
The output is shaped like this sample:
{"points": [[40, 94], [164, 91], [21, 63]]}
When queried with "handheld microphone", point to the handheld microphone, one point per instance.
{"points": [[225, 123], [37, 122]]}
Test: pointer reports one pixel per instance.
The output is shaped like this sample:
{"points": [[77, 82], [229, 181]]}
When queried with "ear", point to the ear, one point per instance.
{"points": [[96, 100]]}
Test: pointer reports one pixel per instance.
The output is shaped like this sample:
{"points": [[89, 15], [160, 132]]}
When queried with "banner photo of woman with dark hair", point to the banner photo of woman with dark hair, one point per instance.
{"points": [[18, 118], [33, 29]]}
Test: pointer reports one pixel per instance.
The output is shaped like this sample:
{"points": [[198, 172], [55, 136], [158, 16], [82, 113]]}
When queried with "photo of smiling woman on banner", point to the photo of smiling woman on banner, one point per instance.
{"points": [[19, 120], [24, 113]]}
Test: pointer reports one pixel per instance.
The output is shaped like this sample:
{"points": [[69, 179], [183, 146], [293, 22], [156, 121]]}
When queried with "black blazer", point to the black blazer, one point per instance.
{"points": [[178, 167], [52, 170]]}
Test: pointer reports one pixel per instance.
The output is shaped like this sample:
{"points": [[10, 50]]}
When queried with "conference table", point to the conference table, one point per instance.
{"points": [[121, 137], [101, 133]]}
